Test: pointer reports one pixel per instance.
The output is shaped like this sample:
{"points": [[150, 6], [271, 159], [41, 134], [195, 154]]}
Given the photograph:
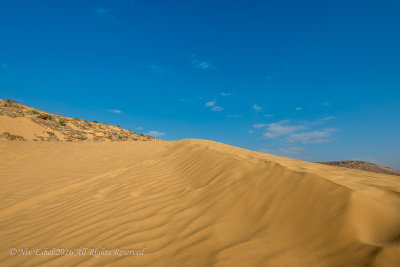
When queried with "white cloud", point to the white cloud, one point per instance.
{"points": [[115, 111], [259, 125], [302, 132], [256, 107], [298, 108], [201, 64], [155, 133], [140, 128], [225, 94], [268, 115], [216, 108], [101, 11], [323, 120], [319, 121], [251, 131], [281, 128], [210, 103], [314, 137]]}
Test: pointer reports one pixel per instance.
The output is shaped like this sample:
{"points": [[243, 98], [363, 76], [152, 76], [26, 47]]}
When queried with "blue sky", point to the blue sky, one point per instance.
{"points": [[313, 80]]}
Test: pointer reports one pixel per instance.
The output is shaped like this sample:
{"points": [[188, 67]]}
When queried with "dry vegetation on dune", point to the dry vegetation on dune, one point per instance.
{"points": [[362, 165], [192, 203], [23, 123]]}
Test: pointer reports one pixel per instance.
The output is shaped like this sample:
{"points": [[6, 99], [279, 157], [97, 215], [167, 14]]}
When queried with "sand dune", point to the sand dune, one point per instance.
{"points": [[20, 122], [362, 165], [191, 203]]}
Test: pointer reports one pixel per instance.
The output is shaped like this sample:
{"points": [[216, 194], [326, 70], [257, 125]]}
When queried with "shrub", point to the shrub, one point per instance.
{"points": [[61, 122], [35, 112], [46, 116], [95, 121], [8, 102], [81, 137]]}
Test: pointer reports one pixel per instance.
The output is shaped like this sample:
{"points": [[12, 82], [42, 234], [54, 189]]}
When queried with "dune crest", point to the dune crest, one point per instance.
{"points": [[23, 123], [192, 203]]}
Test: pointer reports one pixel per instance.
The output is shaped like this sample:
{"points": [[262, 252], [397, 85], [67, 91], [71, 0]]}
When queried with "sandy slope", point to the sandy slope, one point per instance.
{"points": [[21, 122], [192, 203]]}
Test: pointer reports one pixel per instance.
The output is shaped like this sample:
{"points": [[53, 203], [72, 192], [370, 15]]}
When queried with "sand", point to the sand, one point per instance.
{"points": [[190, 203], [21, 122]]}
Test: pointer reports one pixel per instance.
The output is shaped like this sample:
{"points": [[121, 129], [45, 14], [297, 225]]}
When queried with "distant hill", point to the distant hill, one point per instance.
{"points": [[20, 122], [362, 165]]}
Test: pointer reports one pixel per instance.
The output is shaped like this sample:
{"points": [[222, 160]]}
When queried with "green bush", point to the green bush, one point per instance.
{"points": [[45, 117], [62, 122], [8, 102]]}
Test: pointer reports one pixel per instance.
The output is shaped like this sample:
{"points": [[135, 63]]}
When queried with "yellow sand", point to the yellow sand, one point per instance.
{"points": [[20, 126], [191, 203]]}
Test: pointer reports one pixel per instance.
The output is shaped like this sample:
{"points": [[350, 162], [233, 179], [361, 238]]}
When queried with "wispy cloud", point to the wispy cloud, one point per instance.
{"points": [[257, 107], [225, 94], [201, 64], [298, 108], [115, 111], [259, 125], [3, 65], [155, 133], [323, 120], [319, 121], [314, 137], [217, 108], [210, 103], [302, 132], [281, 128]]}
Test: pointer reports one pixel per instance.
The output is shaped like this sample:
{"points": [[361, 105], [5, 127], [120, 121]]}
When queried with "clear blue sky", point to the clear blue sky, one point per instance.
{"points": [[314, 80]]}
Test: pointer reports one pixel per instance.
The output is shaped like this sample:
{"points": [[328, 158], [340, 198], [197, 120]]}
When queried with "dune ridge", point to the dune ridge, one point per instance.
{"points": [[19, 122], [192, 203], [362, 165]]}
